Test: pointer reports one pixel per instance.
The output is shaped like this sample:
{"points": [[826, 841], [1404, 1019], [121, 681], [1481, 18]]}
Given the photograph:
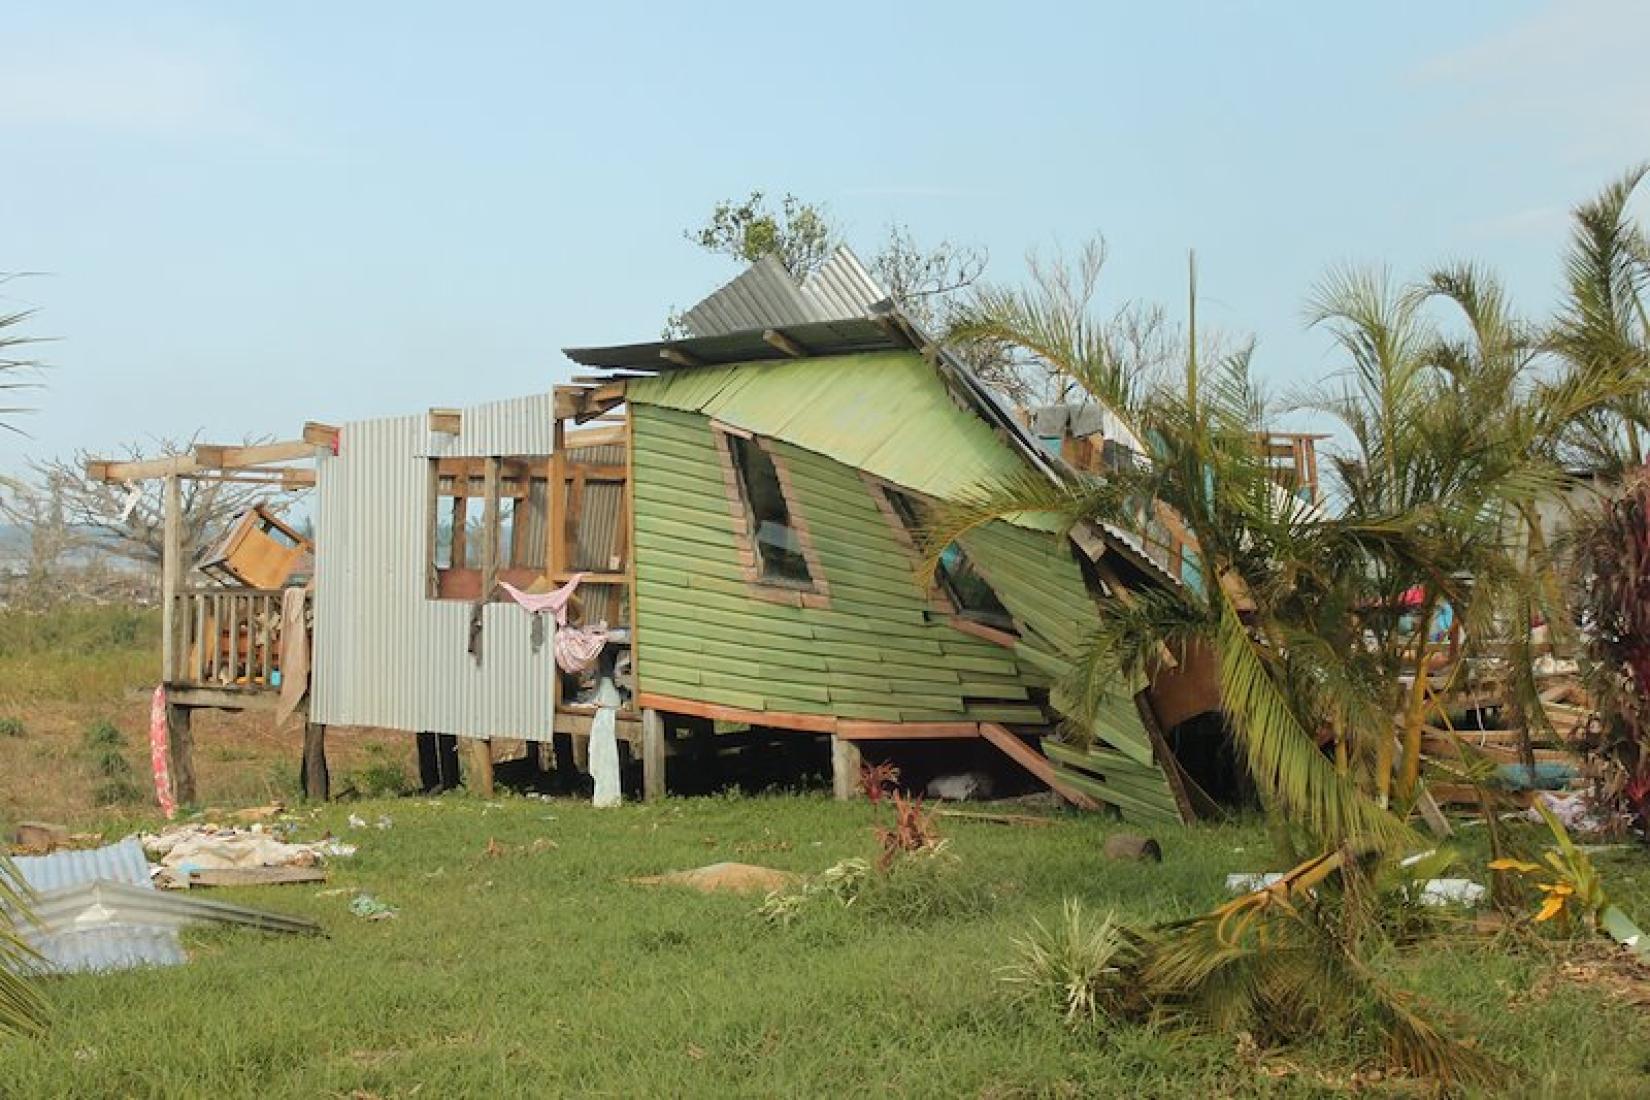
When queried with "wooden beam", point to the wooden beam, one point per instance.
{"points": [[316, 781], [776, 339], [1035, 763], [446, 421], [845, 764], [679, 357], [261, 454], [850, 730], [321, 435], [653, 755], [774, 719], [481, 767], [595, 437]]}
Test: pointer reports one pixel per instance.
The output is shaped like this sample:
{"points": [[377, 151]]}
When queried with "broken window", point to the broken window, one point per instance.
{"points": [[781, 553], [488, 522], [955, 572]]}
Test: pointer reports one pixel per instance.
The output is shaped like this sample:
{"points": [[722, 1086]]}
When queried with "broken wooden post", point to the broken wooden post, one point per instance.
{"points": [[481, 767], [653, 754], [181, 742], [845, 765], [317, 782]]}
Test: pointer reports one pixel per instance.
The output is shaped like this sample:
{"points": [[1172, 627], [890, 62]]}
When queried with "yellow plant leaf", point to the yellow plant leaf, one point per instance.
{"points": [[1551, 907], [1523, 867]]}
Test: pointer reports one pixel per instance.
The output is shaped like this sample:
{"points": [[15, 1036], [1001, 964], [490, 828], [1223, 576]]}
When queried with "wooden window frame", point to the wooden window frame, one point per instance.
{"points": [[501, 477], [939, 595], [817, 592]]}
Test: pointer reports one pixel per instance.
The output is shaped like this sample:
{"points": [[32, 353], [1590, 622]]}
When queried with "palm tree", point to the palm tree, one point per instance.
{"points": [[1275, 595], [22, 1010], [13, 368]]}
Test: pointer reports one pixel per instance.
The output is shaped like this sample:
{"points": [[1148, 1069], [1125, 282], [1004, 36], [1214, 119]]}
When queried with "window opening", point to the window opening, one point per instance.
{"points": [[778, 543]]}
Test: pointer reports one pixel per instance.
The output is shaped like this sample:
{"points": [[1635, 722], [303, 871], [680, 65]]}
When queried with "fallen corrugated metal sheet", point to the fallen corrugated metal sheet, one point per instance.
{"points": [[96, 910], [386, 654], [765, 296]]}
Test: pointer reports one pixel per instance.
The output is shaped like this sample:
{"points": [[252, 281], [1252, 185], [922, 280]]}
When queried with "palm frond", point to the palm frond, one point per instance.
{"points": [[23, 1010]]}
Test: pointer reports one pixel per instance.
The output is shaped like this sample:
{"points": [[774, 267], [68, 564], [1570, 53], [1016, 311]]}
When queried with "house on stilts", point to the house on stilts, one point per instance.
{"points": [[741, 509]]}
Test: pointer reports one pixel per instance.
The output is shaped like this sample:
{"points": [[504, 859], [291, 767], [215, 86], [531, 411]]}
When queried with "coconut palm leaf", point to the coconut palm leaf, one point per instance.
{"points": [[22, 1008]]}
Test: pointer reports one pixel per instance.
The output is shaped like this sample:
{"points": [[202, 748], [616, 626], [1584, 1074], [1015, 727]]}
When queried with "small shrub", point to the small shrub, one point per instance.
{"points": [[381, 776], [104, 744], [120, 791], [11, 727], [913, 831], [1083, 967]]}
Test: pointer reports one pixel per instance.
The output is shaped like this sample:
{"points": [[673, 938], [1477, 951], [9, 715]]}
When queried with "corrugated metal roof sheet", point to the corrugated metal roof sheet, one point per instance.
{"points": [[99, 946], [122, 862], [765, 295]]}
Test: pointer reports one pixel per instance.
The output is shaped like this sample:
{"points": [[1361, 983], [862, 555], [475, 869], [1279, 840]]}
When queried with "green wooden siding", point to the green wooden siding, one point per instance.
{"points": [[878, 652]]}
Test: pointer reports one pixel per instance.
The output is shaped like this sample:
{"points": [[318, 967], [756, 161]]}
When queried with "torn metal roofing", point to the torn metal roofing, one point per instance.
{"points": [[96, 910], [766, 296], [880, 327]]}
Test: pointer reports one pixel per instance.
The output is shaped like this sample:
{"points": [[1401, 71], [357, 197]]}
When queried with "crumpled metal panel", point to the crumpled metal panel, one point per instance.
{"points": [[766, 296], [93, 947]]}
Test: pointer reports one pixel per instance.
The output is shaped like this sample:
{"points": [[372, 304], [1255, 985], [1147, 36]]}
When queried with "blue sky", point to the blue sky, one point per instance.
{"points": [[253, 215]]}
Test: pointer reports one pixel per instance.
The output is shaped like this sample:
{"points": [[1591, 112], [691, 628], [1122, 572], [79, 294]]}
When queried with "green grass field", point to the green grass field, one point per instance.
{"points": [[543, 972]]}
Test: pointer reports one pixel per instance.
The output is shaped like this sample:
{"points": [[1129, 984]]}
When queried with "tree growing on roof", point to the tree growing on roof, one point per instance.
{"points": [[130, 522], [929, 284]]}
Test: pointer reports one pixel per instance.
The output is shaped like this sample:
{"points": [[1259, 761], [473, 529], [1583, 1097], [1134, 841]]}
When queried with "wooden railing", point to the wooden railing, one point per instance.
{"points": [[228, 638]]}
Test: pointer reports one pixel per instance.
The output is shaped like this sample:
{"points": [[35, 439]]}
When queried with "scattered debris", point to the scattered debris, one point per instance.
{"points": [[39, 837], [735, 878], [96, 910], [1132, 847], [368, 907], [185, 849], [256, 876], [356, 821], [999, 819]]}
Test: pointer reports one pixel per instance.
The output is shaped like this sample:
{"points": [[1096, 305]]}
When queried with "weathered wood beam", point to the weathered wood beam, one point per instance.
{"points": [[1035, 763], [679, 357], [321, 435], [776, 339], [596, 437], [446, 421]]}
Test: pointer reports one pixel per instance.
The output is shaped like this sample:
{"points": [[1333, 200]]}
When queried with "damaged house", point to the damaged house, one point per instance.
{"points": [[708, 541]]}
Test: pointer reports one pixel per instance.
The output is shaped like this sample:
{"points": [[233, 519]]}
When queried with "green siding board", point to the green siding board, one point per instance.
{"points": [[879, 651]]}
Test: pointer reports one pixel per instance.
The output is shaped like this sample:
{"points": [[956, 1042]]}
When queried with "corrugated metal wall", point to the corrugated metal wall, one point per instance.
{"points": [[385, 654]]}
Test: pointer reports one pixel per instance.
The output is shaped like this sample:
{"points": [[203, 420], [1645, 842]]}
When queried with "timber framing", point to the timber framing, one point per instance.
{"points": [[227, 462]]}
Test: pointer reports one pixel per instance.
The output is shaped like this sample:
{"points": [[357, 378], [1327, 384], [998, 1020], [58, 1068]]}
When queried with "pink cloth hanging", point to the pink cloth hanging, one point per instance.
{"points": [[537, 602], [576, 648], [159, 754]]}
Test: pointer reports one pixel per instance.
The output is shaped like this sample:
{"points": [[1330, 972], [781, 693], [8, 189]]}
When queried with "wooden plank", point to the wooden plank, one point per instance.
{"points": [[481, 767], [321, 435], [678, 357], [776, 719], [850, 730], [1035, 763], [778, 340], [317, 780], [653, 755], [577, 723], [171, 576], [256, 876], [446, 421], [1165, 758], [490, 528], [596, 437]]}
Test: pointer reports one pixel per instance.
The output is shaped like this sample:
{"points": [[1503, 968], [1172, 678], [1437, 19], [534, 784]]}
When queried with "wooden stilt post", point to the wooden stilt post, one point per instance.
{"points": [[317, 782], [182, 742], [845, 765], [653, 754], [481, 767]]}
